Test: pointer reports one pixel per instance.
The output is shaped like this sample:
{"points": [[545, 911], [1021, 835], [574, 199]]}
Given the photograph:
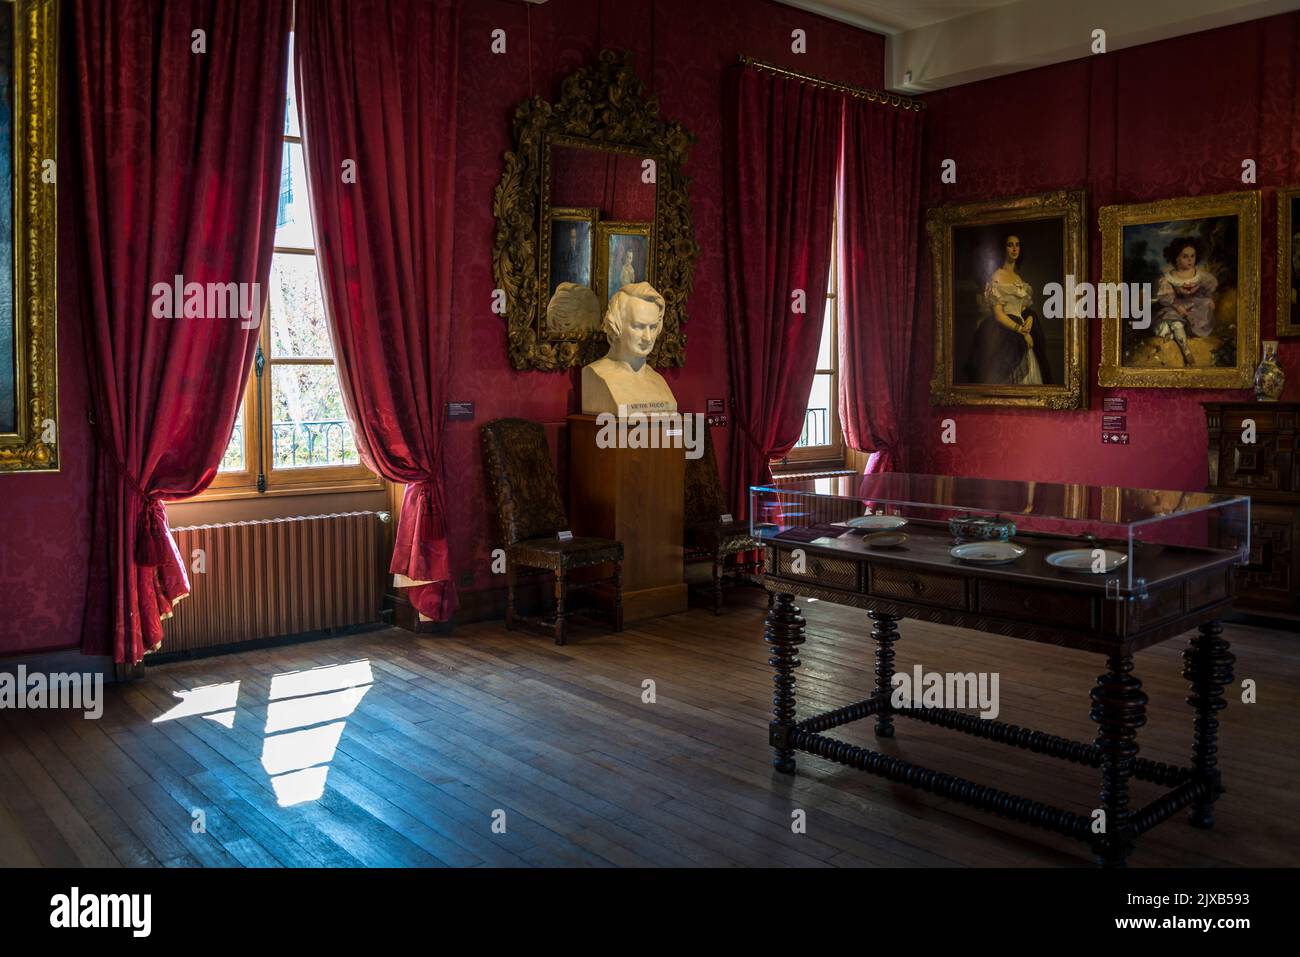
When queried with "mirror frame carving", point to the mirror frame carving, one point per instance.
{"points": [[600, 106]]}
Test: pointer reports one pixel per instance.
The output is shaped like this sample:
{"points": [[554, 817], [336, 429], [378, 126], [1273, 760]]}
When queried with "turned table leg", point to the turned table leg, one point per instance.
{"points": [[885, 632], [1207, 664], [784, 632], [1119, 708], [561, 605]]}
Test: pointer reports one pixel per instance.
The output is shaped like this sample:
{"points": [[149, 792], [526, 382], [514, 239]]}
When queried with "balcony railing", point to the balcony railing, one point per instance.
{"points": [[298, 445], [816, 429], [233, 460], [312, 443]]}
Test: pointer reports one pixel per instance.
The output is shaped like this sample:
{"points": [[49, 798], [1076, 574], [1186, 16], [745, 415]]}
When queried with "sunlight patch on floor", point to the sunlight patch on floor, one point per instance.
{"points": [[305, 716]]}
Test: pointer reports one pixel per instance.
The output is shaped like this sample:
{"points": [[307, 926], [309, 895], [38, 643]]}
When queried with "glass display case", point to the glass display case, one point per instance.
{"points": [[1122, 540]]}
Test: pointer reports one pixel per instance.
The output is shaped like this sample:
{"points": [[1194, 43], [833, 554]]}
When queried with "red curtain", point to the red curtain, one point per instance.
{"points": [[377, 84], [879, 217], [177, 148], [782, 147]]}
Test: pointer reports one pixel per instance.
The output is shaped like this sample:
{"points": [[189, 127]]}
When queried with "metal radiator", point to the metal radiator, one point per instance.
{"points": [[283, 576]]}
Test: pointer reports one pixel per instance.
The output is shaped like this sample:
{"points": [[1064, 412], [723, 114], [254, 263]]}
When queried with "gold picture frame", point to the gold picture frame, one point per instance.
{"points": [[948, 228], [644, 269], [1288, 322], [1158, 222], [32, 444], [588, 216]]}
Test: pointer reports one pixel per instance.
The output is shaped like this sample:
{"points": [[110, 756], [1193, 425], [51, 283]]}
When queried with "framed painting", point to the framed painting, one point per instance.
{"points": [[1002, 271], [623, 256], [1288, 268], [1182, 303], [572, 306], [28, 133]]}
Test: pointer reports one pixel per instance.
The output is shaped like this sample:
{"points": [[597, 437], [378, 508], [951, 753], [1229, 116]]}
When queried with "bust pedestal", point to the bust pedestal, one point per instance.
{"points": [[637, 497]]}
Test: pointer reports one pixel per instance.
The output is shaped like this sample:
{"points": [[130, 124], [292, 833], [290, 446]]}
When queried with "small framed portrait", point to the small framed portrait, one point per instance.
{"points": [[1179, 295], [1288, 261], [623, 256], [572, 307], [1003, 334]]}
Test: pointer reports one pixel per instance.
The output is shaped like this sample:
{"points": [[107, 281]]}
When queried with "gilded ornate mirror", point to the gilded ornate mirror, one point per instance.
{"points": [[28, 127], [592, 198]]}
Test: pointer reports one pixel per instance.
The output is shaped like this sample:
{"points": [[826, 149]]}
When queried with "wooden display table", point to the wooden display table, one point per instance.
{"points": [[1186, 588], [636, 496]]}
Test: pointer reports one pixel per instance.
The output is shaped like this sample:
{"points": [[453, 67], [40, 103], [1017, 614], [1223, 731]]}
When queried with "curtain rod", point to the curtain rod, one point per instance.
{"points": [[859, 92]]}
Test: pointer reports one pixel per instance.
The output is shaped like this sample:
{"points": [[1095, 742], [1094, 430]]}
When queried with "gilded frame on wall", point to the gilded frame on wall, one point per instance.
{"points": [[1288, 303], [31, 444], [587, 216], [1070, 388], [607, 229], [603, 106], [1244, 288]]}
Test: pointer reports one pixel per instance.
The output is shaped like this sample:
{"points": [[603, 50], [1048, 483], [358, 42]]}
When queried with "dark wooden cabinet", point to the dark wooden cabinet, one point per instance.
{"points": [[1268, 470]]}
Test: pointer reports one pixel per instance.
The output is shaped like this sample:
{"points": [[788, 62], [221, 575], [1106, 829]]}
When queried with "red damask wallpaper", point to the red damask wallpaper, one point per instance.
{"points": [[1169, 119], [681, 47]]}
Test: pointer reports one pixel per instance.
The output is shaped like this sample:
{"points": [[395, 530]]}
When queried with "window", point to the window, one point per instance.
{"points": [[820, 443], [292, 433]]}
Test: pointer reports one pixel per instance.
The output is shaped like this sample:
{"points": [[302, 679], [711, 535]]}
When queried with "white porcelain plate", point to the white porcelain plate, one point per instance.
{"points": [[1084, 561], [877, 523], [987, 553]]}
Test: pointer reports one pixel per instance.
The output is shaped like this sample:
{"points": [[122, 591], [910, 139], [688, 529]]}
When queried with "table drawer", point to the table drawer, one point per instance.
{"points": [[830, 572], [925, 588], [1051, 607]]}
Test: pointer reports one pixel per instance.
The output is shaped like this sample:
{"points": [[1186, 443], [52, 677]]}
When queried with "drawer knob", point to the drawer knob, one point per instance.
{"points": [[917, 586]]}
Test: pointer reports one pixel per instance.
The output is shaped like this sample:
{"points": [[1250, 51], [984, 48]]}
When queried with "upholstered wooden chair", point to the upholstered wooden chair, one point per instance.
{"points": [[707, 535], [530, 510]]}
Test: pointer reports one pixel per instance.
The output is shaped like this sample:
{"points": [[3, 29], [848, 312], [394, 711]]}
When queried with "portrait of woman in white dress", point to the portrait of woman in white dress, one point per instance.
{"points": [[626, 255], [1002, 270], [1009, 345]]}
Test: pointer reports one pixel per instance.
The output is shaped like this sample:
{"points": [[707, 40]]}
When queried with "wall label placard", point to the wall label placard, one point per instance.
{"points": [[1114, 427]]}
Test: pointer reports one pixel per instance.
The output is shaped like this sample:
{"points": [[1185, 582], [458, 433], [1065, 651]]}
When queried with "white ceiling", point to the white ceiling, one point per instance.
{"points": [[933, 44], [894, 16]]}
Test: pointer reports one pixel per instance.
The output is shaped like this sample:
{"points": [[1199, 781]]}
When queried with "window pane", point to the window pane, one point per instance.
{"points": [[291, 99], [293, 220], [824, 350], [299, 329], [308, 425], [233, 459], [817, 418]]}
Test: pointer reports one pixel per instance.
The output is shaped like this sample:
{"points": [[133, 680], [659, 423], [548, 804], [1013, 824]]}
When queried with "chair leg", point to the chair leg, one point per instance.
{"points": [[511, 574], [717, 584], [618, 596], [561, 596]]}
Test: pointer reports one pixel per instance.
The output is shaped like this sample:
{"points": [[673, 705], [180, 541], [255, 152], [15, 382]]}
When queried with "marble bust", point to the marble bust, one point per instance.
{"points": [[622, 382]]}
